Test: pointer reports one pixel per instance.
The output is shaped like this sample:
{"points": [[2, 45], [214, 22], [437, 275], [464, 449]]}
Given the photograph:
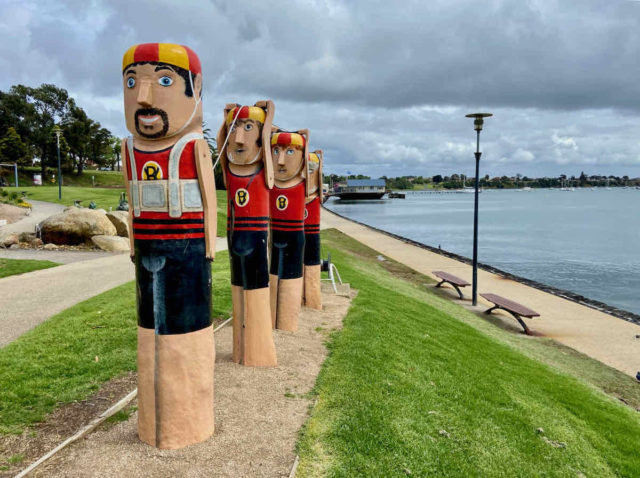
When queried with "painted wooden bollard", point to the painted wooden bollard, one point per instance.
{"points": [[245, 157], [289, 152], [171, 187], [312, 297]]}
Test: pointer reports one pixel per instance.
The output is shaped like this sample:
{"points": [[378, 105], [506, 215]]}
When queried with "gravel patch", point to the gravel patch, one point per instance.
{"points": [[258, 415]]}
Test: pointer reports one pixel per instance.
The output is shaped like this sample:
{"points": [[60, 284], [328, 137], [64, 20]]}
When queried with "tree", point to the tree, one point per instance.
{"points": [[437, 179], [12, 148], [48, 104]]}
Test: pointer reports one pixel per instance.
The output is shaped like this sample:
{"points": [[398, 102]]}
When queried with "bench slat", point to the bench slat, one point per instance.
{"points": [[451, 278], [510, 305]]}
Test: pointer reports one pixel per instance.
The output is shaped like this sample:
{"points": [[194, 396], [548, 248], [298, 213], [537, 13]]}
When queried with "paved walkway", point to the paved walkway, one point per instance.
{"points": [[40, 210], [605, 338], [26, 300], [61, 257]]}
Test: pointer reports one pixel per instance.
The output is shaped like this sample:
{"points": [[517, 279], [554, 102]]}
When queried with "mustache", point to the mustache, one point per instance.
{"points": [[151, 112]]}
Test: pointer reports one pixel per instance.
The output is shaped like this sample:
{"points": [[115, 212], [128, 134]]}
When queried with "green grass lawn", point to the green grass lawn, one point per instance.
{"points": [[104, 198], [10, 267], [55, 363], [411, 389], [100, 178]]}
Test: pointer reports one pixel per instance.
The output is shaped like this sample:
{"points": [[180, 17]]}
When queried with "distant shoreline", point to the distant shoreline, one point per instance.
{"points": [[565, 294]]}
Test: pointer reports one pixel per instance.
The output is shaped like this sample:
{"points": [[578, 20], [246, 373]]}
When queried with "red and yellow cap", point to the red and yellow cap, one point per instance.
{"points": [[286, 139], [246, 112], [313, 157], [169, 53]]}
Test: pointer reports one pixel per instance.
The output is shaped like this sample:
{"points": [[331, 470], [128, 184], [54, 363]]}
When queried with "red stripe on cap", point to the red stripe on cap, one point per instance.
{"points": [[194, 61], [146, 52]]}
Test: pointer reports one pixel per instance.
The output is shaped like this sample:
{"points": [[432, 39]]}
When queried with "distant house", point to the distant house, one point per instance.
{"points": [[363, 189]]}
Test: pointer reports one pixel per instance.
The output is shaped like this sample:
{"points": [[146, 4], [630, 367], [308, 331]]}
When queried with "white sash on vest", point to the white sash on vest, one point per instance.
{"points": [[175, 202]]}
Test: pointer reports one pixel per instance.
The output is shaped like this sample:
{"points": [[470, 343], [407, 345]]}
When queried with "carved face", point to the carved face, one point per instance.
{"points": [[314, 170], [244, 142], [287, 161], [156, 104]]}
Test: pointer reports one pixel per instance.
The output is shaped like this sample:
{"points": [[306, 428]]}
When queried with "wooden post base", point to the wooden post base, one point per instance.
{"points": [[312, 296], [285, 302], [252, 331], [175, 387]]}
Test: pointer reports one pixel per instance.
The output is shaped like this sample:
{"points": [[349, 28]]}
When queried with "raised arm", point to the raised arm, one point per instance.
{"points": [[125, 173], [207, 184]]}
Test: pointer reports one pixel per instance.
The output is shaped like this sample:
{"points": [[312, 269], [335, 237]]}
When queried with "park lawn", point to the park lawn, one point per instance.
{"points": [[409, 389], [10, 267], [100, 178], [55, 363], [105, 198]]}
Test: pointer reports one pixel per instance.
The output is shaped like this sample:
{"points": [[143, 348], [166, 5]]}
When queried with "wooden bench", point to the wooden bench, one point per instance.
{"points": [[455, 281], [517, 310]]}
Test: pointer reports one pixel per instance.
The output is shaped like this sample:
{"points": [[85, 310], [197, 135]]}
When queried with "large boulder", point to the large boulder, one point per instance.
{"points": [[10, 240], [111, 243], [120, 219], [76, 226]]}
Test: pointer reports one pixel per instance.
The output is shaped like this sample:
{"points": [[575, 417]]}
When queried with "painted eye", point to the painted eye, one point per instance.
{"points": [[248, 127], [276, 151], [165, 81], [290, 151], [131, 82]]}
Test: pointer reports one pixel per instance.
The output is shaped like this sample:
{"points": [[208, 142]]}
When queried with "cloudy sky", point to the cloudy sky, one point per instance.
{"points": [[383, 86]]}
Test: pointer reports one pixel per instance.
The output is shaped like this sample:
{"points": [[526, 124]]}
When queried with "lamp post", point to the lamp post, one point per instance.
{"points": [[478, 121], [58, 132]]}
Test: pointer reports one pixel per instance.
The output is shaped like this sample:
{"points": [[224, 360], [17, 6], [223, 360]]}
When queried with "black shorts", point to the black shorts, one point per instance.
{"points": [[173, 285], [248, 258], [287, 250], [311, 249]]}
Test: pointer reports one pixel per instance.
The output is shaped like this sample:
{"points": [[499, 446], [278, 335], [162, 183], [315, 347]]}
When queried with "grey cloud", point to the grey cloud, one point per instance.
{"points": [[383, 86]]}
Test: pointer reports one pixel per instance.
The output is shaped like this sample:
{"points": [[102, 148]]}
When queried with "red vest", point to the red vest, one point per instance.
{"points": [[248, 196], [312, 217], [287, 208], [152, 166]]}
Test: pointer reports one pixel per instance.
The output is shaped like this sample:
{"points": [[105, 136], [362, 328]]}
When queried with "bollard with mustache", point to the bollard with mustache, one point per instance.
{"points": [[169, 179], [312, 296], [287, 200], [245, 157]]}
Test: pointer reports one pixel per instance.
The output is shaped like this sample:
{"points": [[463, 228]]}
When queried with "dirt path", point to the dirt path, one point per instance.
{"points": [[40, 210], [601, 336], [26, 300], [258, 415], [11, 213]]}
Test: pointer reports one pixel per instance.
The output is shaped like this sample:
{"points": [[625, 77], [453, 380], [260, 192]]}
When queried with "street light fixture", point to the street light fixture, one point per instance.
{"points": [[478, 121], [58, 132]]}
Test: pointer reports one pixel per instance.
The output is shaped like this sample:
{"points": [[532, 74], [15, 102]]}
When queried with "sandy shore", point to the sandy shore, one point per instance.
{"points": [[601, 336]]}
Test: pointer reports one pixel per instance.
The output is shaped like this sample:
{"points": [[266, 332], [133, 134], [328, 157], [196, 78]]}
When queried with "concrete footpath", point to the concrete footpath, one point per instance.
{"points": [[26, 300], [601, 336]]}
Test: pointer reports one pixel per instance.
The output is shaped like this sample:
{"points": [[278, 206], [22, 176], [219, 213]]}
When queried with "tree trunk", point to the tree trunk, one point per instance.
{"points": [[80, 167]]}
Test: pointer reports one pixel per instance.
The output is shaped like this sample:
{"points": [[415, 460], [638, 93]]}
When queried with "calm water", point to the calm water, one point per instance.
{"points": [[584, 241]]}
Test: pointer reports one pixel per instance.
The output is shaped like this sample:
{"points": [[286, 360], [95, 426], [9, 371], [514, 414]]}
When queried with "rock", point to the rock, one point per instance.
{"points": [[75, 226], [111, 243], [10, 240], [27, 237], [35, 242], [14, 246], [50, 247], [120, 219]]}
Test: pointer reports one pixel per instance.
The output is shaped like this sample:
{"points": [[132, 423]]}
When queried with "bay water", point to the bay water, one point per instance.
{"points": [[585, 241]]}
